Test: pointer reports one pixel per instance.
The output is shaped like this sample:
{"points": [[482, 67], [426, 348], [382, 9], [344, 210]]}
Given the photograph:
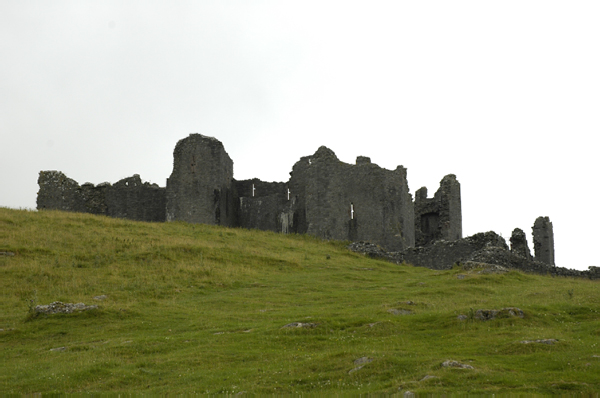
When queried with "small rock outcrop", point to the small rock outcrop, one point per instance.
{"points": [[363, 360], [401, 311], [298, 325], [540, 341], [510, 312], [455, 364], [59, 307]]}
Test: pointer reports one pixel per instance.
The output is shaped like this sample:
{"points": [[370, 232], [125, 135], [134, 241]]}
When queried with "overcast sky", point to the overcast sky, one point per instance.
{"points": [[504, 94]]}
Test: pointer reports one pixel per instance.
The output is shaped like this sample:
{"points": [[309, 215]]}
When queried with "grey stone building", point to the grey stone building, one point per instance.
{"points": [[324, 197]]}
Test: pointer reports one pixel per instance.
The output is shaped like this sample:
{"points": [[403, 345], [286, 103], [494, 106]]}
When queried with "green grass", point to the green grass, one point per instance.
{"points": [[200, 309]]}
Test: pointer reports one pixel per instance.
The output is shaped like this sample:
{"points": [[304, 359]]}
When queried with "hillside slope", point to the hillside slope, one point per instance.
{"points": [[186, 308]]}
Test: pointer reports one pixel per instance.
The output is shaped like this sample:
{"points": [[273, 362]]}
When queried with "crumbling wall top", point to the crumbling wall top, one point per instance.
{"points": [[363, 160]]}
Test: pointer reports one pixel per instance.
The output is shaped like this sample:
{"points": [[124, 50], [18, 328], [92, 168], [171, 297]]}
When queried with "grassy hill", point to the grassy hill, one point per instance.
{"points": [[202, 309]]}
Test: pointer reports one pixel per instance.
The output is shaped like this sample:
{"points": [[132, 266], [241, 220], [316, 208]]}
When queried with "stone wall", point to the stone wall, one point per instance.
{"points": [[261, 204], [200, 188], [324, 197], [58, 192], [129, 198], [336, 200], [440, 217]]}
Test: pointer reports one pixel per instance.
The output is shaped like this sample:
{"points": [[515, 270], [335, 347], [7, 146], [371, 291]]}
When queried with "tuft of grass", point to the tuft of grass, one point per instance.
{"points": [[200, 309]]}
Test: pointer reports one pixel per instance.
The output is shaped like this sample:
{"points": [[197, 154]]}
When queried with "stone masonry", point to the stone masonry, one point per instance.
{"points": [[543, 240], [200, 189], [127, 198], [261, 203], [518, 244], [324, 197], [440, 217], [335, 200]]}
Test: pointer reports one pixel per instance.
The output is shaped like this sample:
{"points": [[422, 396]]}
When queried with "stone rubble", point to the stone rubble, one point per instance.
{"points": [[486, 250]]}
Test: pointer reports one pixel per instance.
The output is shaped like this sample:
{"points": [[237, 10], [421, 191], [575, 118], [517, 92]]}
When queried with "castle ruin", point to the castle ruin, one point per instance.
{"points": [[324, 197]]}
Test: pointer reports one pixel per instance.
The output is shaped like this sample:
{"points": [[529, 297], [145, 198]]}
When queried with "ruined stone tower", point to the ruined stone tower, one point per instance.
{"points": [[199, 189], [543, 240], [440, 217]]}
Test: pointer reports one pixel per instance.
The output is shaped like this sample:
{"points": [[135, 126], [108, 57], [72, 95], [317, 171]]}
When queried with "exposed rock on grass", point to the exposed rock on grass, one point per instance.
{"points": [[300, 325], [510, 312], [59, 307], [455, 364], [485, 268], [362, 360], [541, 341], [401, 311]]}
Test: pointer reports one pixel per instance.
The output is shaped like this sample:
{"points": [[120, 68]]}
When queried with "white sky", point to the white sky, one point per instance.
{"points": [[506, 95]]}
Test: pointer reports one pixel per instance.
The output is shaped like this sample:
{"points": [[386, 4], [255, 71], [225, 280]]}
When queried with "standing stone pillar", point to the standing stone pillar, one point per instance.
{"points": [[199, 189], [543, 240], [518, 244]]}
